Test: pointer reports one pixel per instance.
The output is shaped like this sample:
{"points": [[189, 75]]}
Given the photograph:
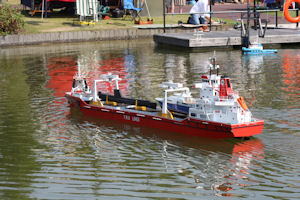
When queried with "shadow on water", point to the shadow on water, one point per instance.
{"points": [[163, 48]]}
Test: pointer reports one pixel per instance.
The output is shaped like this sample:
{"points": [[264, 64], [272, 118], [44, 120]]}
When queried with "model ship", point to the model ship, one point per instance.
{"points": [[219, 112]]}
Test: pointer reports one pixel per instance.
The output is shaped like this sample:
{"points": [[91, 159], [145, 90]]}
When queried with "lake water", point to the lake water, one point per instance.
{"points": [[49, 151]]}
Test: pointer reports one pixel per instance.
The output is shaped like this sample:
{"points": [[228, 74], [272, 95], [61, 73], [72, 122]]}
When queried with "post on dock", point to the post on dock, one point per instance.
{"points": [[164, 14], [210, 15], [246, 37], [255, 15], [297, 14], [276, 18]]}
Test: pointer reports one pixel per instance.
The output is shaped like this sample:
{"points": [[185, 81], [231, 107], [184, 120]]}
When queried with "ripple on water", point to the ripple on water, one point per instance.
{"points": [[49, 151]]}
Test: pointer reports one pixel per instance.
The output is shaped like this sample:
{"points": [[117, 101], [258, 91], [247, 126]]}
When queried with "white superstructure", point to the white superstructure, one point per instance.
{"points": [[216, 101]]}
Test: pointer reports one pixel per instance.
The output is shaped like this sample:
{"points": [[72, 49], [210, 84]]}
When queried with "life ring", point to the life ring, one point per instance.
{"points": [[287, 14], [242, 103]]}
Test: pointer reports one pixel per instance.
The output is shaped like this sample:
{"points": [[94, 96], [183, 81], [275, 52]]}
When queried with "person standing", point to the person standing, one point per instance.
{"points": [[170, 6], [201, 6], [180, 4]]}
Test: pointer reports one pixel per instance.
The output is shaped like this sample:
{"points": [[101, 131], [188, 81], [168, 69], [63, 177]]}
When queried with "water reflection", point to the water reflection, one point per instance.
{"points": [[49, 150], [18, 162], [226, 170], [291, 77], [217, 166], [141, 73], [176, 68], [62, 69], [291, 88], [253, 62], [253, 65]]}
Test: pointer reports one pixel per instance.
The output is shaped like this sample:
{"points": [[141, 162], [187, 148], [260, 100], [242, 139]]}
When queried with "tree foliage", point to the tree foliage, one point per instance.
{"points": [[11, 20]]}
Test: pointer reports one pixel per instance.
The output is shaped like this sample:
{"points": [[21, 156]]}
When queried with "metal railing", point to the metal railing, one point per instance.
{"points": [[234, 11]]}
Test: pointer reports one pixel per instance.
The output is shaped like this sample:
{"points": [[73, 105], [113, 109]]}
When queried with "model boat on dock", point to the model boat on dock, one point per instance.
{"points": [[218, 112]]}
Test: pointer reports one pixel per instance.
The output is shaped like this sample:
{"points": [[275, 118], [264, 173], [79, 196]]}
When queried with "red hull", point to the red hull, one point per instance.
{"points": [[187, 126]]}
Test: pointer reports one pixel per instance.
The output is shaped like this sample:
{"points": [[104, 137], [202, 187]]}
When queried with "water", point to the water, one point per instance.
{"points": [[48, 151]]}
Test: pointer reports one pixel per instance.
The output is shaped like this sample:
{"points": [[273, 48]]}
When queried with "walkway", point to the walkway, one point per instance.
{"points": [[226, 38]]}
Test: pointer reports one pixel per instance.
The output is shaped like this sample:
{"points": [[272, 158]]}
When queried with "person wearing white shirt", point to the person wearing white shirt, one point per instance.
{"points": [[202, 6]]}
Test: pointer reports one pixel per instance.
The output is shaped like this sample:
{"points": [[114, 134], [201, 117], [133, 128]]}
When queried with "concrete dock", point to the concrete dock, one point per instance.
{"points": [[227, 38]]}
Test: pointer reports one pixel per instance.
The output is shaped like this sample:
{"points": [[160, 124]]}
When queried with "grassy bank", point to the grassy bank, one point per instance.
{"points": [[12, 2], [59, 21]]}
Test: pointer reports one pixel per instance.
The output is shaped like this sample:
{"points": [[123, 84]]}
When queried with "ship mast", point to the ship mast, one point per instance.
{"points": [[213, 65], [79, 71]]}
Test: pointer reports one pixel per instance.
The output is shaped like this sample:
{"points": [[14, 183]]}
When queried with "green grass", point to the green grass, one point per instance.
{"points": [[57, 22], [280, 13], [12, 2]]}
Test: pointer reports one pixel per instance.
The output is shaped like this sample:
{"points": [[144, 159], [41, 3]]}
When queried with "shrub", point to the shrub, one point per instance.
{"points": [[11, 21]]}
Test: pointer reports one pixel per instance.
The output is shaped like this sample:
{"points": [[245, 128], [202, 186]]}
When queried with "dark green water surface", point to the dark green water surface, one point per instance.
{"points": [[49, 151]]}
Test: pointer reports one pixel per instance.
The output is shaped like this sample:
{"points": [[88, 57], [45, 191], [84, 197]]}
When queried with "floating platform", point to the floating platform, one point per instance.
{"points": [[229, 38]]}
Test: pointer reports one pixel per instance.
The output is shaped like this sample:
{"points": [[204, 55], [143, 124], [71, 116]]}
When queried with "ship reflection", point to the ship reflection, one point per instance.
{"points": [[176, 69], [254, 63], [291, 83], [62, 69], [218, 166], [291, 77]]}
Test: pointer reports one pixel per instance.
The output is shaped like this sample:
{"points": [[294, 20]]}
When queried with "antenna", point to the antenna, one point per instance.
{"points": [[78, 65], [213, 64]]}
